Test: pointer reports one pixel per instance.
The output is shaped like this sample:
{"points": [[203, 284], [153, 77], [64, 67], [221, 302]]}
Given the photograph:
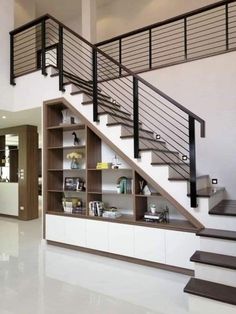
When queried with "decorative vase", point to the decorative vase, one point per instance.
{"points": [[74, 164]]}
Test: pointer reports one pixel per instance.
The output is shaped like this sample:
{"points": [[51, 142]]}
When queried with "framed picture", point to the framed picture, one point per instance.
{"points": [[74, 184], [70, 184]]}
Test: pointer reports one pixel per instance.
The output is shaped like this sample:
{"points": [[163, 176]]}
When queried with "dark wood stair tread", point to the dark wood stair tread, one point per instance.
{"points": [[186, 179], [169, 164], [211, 290], [116, 109], [208, 192], [158, 150], [217, 233], [128, 126], [143, 138], [214, 259], [225, 208], [100, 101], [101, 96], [115, 115]]}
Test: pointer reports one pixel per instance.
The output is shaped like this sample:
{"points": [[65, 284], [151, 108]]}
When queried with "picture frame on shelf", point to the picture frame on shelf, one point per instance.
{"points": [[74, 184]]}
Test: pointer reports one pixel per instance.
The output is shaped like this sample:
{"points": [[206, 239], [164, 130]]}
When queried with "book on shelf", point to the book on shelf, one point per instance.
{"points": [[125, 185], [103, 165]]}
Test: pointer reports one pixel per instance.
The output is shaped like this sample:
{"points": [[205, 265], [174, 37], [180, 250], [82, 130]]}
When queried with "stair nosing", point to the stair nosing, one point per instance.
{"points": [[223, 295], [209, 258]]}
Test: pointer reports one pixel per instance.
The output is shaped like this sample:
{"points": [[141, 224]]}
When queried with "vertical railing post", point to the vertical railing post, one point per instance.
{"points": [[150, 49], [60, 59], [43, 48], [227, 26], [12, 74], [136, 117], [120, 56], [185, 39], [95, 86], [192, 157]]}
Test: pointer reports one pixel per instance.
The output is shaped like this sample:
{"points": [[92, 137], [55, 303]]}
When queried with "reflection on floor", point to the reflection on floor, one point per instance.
{"points": [[36, 278]]}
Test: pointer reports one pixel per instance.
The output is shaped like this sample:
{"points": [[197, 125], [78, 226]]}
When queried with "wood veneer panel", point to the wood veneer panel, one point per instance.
{"points": [[28, 161], [93, 149]]}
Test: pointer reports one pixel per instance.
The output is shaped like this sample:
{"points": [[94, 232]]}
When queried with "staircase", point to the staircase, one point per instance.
{"points": [[140, 122]]}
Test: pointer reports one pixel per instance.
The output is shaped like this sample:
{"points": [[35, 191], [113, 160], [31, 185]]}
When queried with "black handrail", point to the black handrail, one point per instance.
{"points": [[165, 22], [72, 48], [121, 66]]}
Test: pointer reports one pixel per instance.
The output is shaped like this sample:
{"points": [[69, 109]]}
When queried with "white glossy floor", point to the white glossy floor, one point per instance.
{"points": [[36, 278]]}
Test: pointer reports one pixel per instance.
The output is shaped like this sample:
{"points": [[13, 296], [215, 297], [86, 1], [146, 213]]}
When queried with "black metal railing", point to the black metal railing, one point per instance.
{"points": [[153, 119], [197, 34]]}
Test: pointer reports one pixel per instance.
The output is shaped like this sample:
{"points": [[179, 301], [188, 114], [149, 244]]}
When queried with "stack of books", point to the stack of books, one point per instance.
{"points": [[111, 214], [104, 165], [156, 217], [161, 216], [125, 185]]}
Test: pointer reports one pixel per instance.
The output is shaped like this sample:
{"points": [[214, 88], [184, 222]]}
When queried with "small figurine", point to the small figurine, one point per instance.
{"points": [[76, 139], [115, 163]]}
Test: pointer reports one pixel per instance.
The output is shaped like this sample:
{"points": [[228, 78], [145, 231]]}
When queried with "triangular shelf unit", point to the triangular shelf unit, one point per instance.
{"points": [[72, 185]]}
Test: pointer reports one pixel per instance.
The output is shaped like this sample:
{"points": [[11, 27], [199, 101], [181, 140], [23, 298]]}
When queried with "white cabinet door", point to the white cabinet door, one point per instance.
{"points": [[97, 235], [180, 246], [55, 228], [75, 231], [149, 244], [121, 239]]}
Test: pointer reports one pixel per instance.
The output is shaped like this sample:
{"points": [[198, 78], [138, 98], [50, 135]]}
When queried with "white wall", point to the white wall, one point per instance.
{"points": [[6, 25], [67, 12], [121, 16], [207, 88]]}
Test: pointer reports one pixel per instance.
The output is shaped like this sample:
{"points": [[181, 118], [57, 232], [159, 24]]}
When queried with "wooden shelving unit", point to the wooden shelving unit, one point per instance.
{"points": [[56, 169]]}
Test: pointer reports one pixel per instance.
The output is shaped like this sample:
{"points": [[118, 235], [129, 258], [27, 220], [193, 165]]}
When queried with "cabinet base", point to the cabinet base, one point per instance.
{"points": [[175, 269]]}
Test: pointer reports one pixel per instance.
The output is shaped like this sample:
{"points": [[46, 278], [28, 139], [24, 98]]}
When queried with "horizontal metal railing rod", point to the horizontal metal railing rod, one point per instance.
{"points": [[174, 103]]}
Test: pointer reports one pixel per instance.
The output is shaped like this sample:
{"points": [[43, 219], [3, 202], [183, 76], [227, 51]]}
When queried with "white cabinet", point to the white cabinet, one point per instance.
{"points": [[97, 235], [75, 231], [121, 239], [55, 228], [180, 246], [149, 244]]}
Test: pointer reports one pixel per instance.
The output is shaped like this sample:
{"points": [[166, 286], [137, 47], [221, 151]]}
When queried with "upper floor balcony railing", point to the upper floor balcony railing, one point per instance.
{"points": [[198, 34]]}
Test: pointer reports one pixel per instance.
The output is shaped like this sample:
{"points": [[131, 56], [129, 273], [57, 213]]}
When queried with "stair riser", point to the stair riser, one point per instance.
{"points": [[128, 131], [216, 274], [200, 305], [220, 246], [164, 157]]}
